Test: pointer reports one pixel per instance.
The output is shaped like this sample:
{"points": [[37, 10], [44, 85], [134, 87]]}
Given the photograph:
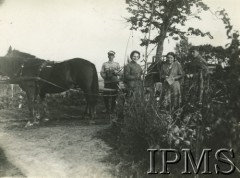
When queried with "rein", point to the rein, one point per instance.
{"points": [[21, 79], [20, 70], [18, 78]]}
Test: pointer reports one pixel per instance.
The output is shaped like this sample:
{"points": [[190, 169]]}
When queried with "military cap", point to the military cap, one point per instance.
{"points": [[111, 53], [194, 48]]}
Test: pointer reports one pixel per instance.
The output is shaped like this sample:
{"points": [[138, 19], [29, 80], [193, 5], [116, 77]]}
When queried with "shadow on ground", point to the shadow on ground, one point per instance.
{"points": [[6, 168]]}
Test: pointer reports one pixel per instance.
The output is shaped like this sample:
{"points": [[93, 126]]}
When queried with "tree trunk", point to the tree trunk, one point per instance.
{"points": [[159, 50], [161, 40]]}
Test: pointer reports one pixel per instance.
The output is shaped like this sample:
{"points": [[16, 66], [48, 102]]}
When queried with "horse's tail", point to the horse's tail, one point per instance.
{"points": [[94, 86]]}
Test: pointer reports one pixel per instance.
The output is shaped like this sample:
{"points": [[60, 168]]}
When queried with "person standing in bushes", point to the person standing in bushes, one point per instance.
{"points": [[198, 72], [110, 73], [170, 74], [133, 73]]}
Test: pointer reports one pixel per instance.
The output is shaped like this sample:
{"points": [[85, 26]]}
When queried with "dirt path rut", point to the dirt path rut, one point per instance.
{"points": [[64, 149]]}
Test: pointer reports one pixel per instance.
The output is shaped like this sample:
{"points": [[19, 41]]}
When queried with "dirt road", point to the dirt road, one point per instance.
{"points": [[61, 148]]}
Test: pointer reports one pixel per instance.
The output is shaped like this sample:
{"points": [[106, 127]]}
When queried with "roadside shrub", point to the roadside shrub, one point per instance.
{"points": [[146, 123], [12, 98], [68, 98]]}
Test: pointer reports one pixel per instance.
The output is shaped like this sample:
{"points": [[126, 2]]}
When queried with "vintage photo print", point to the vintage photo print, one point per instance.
{"points": [[119, 88]]}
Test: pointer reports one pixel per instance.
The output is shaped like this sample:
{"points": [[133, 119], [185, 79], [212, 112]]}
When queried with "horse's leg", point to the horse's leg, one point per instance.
{"points": [[86, 111], [89, 107], [43, 108], [94, 111], [12, 90], [31, 100], [30, 108], [93, 105]]}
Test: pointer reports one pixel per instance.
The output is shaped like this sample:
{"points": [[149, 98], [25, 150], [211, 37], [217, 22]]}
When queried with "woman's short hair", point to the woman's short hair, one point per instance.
{"points": [[133, 52], [171, 54]]}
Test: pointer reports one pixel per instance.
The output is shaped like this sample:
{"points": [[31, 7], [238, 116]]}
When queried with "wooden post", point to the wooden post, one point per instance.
{"points": [[149, 36], [12, 90], [201, 87]]}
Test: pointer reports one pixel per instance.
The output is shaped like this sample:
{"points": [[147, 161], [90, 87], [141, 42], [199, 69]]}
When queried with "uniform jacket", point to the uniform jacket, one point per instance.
{"points": [[198, 64], [110, 71]]}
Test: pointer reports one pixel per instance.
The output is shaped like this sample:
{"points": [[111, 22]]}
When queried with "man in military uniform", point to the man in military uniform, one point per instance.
{"points": [[110, 73], [198, 70]]}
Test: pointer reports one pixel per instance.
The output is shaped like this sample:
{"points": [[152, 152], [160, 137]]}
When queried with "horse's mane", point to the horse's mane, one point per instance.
{"points": [[27, 58], [17, 53]]}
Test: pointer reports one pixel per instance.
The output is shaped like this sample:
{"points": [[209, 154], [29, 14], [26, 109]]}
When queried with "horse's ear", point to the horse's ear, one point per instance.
{"points": [[9, 51]]}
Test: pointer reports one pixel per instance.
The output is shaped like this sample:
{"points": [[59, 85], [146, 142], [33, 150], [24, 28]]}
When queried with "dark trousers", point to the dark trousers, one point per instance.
{"points": [[110, 85]]}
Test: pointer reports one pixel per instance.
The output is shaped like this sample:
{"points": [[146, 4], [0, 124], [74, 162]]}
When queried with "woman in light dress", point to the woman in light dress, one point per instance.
{"points": [[170, 74]]}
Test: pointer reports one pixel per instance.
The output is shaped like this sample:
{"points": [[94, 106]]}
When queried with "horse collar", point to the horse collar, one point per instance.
{"points": [[19, 72], [44, 64]]}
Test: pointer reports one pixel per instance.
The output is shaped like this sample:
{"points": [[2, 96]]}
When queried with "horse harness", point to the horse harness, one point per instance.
{"points": [[37, 78], [42, 65]]}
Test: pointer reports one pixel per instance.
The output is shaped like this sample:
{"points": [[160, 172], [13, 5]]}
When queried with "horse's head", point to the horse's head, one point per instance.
{"points": [[18, 54], [9, 66], [15, 61]]}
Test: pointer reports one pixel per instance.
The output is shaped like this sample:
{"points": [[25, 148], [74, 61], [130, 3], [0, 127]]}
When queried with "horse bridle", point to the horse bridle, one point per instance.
{"points": [[19, 72], [41, 65]]}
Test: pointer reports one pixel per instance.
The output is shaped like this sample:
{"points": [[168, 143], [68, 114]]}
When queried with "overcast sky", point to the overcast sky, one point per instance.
{"points": [[63, 29]]}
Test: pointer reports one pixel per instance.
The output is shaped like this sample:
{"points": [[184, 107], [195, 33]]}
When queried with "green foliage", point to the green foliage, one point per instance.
{"points": [[182, 50], [233, 35], [214, 124], [165, 17], [212, 54], [17, 98], [146, 123], [9, 100], [69, 98], [226, 20]]}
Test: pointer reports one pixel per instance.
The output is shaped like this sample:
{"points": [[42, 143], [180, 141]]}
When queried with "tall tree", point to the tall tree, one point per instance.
{"points": [[233, 36], [166, 17]]}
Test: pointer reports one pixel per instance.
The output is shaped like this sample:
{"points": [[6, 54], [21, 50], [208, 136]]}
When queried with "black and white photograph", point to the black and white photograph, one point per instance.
{"points": [[119, 88]]}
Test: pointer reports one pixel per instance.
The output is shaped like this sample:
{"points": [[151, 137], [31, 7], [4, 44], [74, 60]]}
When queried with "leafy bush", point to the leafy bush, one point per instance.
{"points": [[73, 98], [145, 123], [16, 98], [11, 97]]}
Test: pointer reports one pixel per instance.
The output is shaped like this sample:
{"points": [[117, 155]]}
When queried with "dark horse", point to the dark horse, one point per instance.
{"points": [[37, 77]]}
